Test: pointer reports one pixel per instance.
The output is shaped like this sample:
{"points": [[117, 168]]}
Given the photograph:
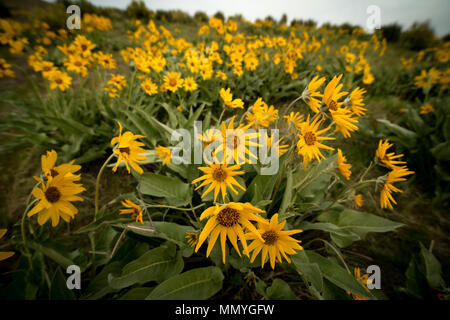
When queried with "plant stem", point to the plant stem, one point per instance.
{"points": [[97, 184], [22, 229], [221, 115]]}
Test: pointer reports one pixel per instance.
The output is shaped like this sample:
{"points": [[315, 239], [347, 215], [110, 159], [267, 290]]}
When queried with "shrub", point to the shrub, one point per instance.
{"points": [[138, 10], [201, 16], [419, 36], [392, 32], [219, 15]]}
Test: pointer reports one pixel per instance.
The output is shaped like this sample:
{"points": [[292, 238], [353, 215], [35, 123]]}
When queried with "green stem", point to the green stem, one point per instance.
{"points": [[172, 207], [221, 115], [97, 184], [22, 229]]}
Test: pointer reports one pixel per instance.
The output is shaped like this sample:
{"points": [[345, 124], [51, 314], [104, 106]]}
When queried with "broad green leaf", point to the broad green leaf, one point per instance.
{"points": [[351, 223], [52, 252], [195, 284], [98, 287], [58, 288], [433, 270], [342, 237], [441, 151], [310, 271], [102, 221], [175, 191], [156, 265], [280, 290], [338, 275], [406, 137], [137, 293]]}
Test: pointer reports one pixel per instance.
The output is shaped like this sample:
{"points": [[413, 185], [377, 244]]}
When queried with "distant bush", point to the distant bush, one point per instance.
{"points": [[419, 36], [138, 10], [392, 32], [219, 15], [180, 17], [201, 16], [85, 5], [283, 19], [446, 37]]}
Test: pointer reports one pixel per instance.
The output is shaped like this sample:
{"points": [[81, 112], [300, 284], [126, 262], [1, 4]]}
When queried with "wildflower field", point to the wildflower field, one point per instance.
{"points": [[213, 158]]}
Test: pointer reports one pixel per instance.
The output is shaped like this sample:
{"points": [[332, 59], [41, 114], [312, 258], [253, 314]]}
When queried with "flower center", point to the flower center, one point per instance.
{"points": [[59, 81], [125, 150], [270, 237], [333, 105], [310, 138], [228, 217], [52, 194], [173, 82], [53, 173], [78, 63], [219, 175], [83, 47]]}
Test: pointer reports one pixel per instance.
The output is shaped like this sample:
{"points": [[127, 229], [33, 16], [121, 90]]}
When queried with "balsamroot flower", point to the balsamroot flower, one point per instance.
{"points": [[229, 221], [388, 159], [219, 177], [271, 240], [134, 209], [344, 168], [395, 175], [129, 150], [4, 254], [309, 141], [164, 153]]}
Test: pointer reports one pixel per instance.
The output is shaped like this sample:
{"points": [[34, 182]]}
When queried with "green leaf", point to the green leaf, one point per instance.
{"points": [[406, 137], [175, 191], [280, 290], [342, 237], [303, 177], [433, 270], [137, 293], [99, 286], [52, 252], [58, 288], [102, 221], [441, 151], [170, 231], [338, 275], [309, 271], [353, 224], [156, 265], [196, 284]]}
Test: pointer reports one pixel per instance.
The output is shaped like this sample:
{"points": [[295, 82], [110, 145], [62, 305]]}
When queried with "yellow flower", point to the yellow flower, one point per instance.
{"points": [[309, 141], [149, 87], [344, 168], [310, 95], [219, 177], [295, 118], [426, 109], [5, 69], [261, 114], [358, 199], [395, 175], [388, 159], [134, 209], [83, 46], [60, 80], [192, 238], [227, 98], [112, 92], [164, 153], [118, 81], [368, 77], [355, 101], [271, 144], [273, 241], [55, 199], [106, 60], [173, 81], [190, 84], [221, 75], [427, 79], [235, 142], [49, 169], [129, 150], [363, 280], [229, 220], [4, 254], [77, 64]]}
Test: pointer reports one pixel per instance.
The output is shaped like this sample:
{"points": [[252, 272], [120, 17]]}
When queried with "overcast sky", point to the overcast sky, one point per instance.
{"points": [[404, 12]]}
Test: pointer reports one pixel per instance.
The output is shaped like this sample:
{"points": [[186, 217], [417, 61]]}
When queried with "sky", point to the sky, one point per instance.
{"points": [[405, 12]]}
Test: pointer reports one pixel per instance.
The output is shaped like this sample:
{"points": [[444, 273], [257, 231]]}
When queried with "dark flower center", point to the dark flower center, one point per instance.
{"points": [[219, 174], [228, 217], [270, 237], [53, 173], [125, 150], [52, 194], [333, 105], [310, 138]]}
